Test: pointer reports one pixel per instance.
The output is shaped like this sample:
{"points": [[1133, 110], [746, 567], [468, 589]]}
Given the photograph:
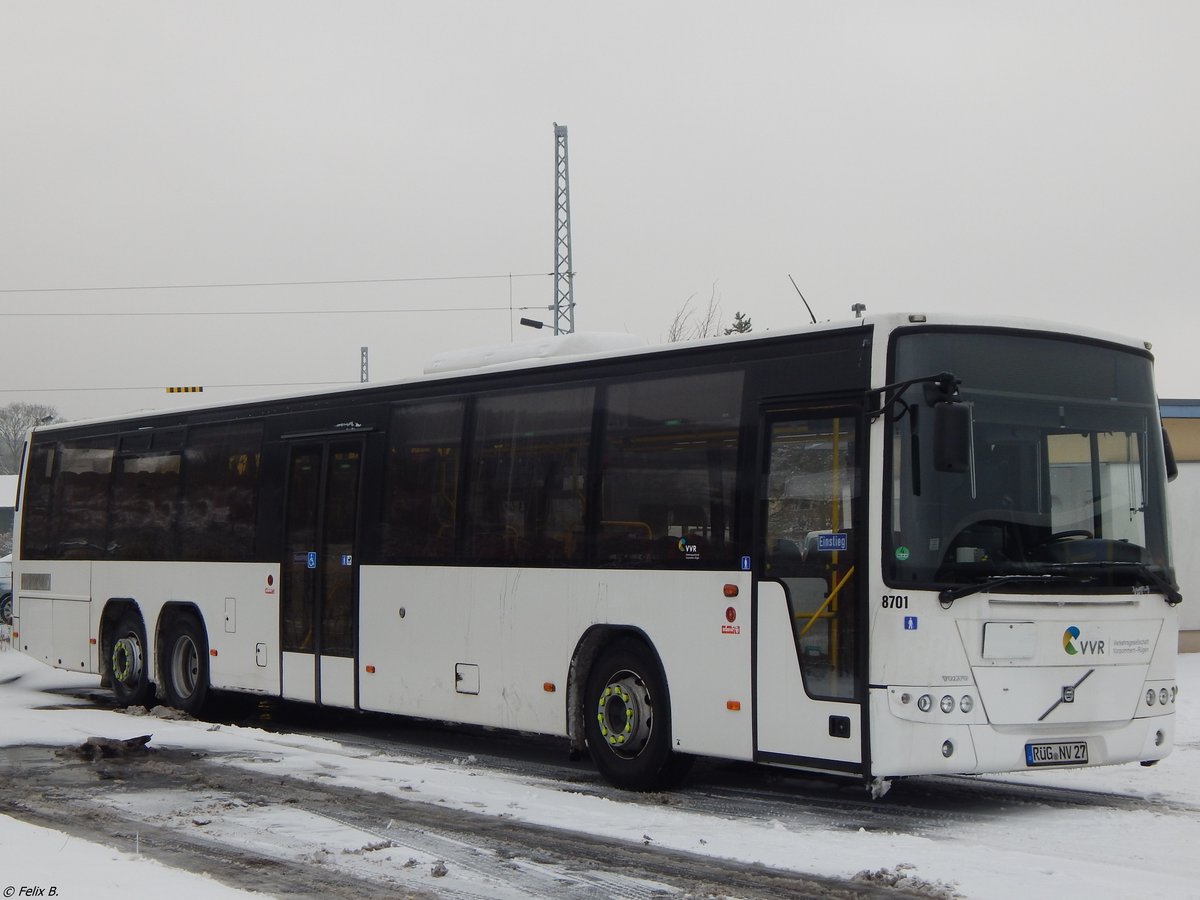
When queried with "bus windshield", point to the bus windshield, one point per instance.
{"points": [[1065, 486]]}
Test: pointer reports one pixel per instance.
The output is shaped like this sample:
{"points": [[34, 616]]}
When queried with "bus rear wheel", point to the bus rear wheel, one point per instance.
{"points": [[127, 664], [627, 719], [185, 665]]}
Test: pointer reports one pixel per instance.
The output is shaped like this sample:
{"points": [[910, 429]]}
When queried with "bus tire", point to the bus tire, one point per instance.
{"points": [[627, 719], [185, 665], [128, 665]]}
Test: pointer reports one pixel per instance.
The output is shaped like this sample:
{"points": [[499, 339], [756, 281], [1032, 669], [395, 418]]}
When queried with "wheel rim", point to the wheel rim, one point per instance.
{"points": [[625, 714], [127, 660], [185, 667]]}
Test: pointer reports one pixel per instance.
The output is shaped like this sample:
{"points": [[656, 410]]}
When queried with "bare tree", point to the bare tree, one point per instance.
{"points": [[679, 325], [690, 325], [15, 420]]}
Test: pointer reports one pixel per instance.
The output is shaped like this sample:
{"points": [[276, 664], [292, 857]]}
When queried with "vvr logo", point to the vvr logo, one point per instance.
{"points": [[1087, 648]]}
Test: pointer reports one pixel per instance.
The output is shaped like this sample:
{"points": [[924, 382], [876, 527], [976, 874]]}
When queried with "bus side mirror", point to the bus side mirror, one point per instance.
{"points": [[1172, 466], [952, 437]]}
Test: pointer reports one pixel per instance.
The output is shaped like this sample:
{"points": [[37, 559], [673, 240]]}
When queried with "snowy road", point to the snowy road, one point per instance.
{"points": [[309, 837], [402, 808]]}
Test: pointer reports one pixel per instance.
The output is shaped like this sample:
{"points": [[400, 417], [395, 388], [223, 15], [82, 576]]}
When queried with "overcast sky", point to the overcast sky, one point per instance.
{"points": [[1032, 158]]}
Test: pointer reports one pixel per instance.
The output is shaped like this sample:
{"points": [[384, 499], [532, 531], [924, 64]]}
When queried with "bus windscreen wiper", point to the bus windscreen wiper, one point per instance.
{"points": [[949, 595], [1148, 576], [1157, 579]]}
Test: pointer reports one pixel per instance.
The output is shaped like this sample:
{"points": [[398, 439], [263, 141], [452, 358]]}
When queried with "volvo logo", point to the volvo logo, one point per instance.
{"points": [[1067, 695]]}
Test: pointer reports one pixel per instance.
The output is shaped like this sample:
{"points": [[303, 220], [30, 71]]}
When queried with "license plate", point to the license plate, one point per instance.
{"points": [[1072, 753]]}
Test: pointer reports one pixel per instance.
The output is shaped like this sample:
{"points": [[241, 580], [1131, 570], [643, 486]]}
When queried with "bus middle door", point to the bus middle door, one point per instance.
{"points": [[810, 666], [319, 571]]}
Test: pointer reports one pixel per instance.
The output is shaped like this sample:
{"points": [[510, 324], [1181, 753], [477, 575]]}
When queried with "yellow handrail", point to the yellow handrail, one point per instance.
{"points": [[634, 525], [813, 618]]}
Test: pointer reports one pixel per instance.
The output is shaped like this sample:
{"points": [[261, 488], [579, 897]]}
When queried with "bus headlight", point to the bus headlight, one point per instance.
{"points": [[947, 704], [967, 703], [924, 703], [1150, 697], [1163, 696]]}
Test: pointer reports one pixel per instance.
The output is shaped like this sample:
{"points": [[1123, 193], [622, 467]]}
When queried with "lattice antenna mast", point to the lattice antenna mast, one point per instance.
{"points": [[564, 273]]}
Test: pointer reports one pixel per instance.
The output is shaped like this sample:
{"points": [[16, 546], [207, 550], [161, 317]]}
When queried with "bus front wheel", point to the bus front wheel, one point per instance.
{"points": [[627, 719], [185, 673], [130, 677]]}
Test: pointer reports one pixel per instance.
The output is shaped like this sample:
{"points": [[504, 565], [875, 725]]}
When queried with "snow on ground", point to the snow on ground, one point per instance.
{"points": [[36, 857], [1039, 852]]}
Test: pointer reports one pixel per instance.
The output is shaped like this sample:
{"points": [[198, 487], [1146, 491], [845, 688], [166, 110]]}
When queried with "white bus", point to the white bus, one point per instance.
{"points": [[895, 546]]}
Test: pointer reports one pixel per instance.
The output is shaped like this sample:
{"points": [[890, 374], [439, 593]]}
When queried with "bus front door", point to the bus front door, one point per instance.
{"points": [[319, 583], [810, 647]]}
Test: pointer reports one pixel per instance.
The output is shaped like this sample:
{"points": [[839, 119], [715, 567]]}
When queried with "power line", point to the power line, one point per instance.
{"points": [[265, 312], [159, 387], [254, 284]]}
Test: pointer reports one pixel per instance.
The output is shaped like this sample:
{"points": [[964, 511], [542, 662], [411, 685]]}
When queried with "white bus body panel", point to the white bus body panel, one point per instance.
{"points": [[1033, 672], [436, 635], [237, 601], [58, 629], [53, 616], [209, 587]]}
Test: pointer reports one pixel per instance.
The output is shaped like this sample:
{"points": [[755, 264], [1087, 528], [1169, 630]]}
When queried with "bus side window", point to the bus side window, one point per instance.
{"points": [[670, 458], [144, 502], [218, 509], [37, 540], [527, 487], [421, 485], [80, 502]]}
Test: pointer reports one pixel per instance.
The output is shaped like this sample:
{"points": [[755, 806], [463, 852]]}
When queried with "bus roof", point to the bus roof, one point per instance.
{"points": [[582, 347]]}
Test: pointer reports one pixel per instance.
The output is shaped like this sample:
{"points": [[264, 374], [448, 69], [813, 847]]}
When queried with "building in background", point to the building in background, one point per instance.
{"points": [[1181, 418]]}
